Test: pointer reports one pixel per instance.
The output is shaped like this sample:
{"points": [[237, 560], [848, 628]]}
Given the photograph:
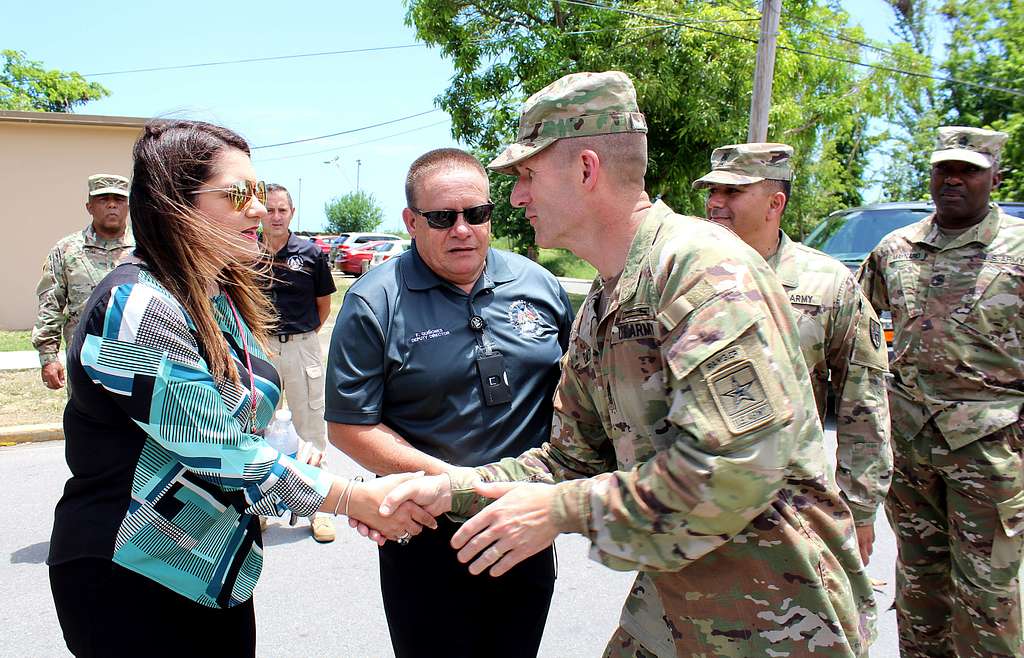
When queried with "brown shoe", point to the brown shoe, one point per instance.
{"points": [[323, 529]]}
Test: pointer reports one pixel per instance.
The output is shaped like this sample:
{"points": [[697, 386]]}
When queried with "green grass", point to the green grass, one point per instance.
{"points": [[577, 301], [15, 341], [559, 262], [564, 263]]}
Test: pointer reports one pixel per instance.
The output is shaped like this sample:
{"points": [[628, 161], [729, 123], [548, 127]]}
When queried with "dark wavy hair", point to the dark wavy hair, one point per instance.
{"points": [[183, 249]]}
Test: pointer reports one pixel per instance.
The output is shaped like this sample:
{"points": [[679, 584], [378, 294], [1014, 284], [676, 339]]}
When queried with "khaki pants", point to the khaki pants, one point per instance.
{"points": [[300, 364]]}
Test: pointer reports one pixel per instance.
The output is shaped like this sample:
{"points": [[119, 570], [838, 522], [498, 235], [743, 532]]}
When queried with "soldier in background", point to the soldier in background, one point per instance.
{"points": [[685, 442], [75, 265], [840, 335], [954, 283]]}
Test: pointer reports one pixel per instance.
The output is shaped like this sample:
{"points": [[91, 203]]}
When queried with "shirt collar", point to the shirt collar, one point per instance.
{"points": [[91, 238], [418, 276], [783, 262], [984, 232], [640, 249]]}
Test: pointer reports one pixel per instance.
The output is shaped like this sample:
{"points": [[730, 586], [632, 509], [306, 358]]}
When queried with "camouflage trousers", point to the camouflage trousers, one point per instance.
{"points": [[958, 516]]}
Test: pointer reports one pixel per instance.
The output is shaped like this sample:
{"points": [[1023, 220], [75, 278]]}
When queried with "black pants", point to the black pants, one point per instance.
{"points": [[109, 611], [435, 607]]}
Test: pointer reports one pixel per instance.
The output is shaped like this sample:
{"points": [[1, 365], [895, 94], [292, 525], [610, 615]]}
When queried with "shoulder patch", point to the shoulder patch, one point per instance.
{"points": [[738, 391], [876, 333]]}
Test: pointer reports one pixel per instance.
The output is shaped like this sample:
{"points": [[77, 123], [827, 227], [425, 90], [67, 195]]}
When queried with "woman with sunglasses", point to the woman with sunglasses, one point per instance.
{"points": [[156, 544]]}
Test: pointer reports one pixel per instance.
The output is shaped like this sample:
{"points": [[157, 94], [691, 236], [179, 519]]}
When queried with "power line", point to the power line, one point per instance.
{"points": [[800, 51], [344, 132], [178, 67], [347, 146], [251, 59]]}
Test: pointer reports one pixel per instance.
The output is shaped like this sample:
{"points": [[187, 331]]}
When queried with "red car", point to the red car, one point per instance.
{"points": [[324, 247], [356, 260]]}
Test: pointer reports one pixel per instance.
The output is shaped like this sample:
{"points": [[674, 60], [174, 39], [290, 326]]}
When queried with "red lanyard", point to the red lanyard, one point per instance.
{"points": [[248, 361]]}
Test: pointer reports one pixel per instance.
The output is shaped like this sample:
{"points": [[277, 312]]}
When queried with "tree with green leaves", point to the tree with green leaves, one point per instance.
{"points": [[987, 46], [692, 63], [353, 212], [910, 137], [26, 85]]}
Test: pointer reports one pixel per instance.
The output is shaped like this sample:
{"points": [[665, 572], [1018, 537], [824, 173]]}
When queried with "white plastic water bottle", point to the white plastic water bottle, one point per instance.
{"points": [[281, 434]]}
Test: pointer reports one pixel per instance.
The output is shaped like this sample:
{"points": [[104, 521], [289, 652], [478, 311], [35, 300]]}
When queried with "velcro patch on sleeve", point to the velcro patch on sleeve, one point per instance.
{"points": [[739, 393]]}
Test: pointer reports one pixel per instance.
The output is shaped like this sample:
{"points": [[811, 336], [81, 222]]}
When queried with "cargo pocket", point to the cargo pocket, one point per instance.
{"points": [[1006, 544], [315, 386]]}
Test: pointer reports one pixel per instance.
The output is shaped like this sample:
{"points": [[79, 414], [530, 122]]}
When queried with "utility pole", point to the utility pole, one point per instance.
{"points": [[761, 100], [359, 163], [298, 208]]}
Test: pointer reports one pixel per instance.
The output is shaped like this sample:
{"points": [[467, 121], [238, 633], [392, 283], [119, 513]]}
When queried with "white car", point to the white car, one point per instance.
{"points": [[386, 251], [348, 241]]}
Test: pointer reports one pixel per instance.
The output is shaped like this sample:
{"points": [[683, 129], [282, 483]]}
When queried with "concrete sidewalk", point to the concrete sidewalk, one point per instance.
{"points": [[28, 360]]}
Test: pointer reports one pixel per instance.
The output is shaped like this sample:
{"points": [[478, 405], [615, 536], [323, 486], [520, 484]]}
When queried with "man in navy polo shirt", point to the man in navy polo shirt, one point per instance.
{"points": [[449, 355], [301, 291]]}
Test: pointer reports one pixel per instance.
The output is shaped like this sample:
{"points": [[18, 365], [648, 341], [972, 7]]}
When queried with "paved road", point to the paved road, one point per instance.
{"points": [[312, 600]]}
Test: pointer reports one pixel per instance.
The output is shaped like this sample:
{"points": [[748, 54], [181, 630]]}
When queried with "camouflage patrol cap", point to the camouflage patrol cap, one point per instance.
{"points": [[974, 145], [745, 164], [576, 105], [108, 184]]}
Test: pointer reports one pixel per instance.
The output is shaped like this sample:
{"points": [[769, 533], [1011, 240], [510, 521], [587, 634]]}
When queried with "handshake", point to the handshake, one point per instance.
{"points": [[397, 507]]}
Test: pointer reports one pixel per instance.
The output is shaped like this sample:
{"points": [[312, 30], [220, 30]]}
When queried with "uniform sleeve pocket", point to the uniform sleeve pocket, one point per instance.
{"points": [[728, 390]]}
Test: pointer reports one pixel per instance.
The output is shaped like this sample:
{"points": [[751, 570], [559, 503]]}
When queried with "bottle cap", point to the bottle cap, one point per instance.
{"points": [[283, 415]]}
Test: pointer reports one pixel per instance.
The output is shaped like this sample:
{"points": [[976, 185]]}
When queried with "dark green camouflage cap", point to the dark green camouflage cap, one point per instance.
{"points": [[108, 184], [974, 145], [745, 164], [576, 105]]}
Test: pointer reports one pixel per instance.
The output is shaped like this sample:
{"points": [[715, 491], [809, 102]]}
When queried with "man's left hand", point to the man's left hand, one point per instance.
{"points": [[508, 531], [865, 541]]}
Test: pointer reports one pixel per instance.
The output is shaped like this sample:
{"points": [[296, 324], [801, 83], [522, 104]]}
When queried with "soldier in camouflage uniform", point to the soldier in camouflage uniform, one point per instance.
{"points": [[73, 268], [954, 283], [840, 335], [685, 442]]}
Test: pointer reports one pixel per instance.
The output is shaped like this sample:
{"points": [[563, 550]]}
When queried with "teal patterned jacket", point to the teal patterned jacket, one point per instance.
{"points": [[203, 473]]}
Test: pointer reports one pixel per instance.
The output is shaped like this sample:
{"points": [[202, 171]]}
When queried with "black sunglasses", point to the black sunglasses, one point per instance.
{"points": [[444, 219]]}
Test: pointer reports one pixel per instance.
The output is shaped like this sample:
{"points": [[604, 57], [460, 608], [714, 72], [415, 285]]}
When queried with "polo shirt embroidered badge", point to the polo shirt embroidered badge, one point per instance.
{"points": [[524, 318], [295, 263]]}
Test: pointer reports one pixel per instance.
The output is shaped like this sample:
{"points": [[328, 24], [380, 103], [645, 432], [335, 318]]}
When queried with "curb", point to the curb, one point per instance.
{"points": [[15, 434]]}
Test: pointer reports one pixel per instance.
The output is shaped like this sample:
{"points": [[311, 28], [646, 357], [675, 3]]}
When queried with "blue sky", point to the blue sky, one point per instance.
{"points": [[272, 102]]}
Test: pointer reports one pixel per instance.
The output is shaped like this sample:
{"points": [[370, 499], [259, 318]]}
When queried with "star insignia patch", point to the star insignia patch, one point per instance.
{"points": [[740, 397]]}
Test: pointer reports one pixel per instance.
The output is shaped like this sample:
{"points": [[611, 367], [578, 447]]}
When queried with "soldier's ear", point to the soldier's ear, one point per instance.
{"points": [[591, 167]]}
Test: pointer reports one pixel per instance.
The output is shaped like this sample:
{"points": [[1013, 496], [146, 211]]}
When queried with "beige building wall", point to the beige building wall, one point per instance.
{"points": [[45, 159]]}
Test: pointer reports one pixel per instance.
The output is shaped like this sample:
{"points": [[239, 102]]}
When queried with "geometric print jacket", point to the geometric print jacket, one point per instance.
{"points": [[204, 474]]}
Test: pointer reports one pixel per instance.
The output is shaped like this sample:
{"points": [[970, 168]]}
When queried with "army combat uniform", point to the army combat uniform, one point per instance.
{"points": [[957, 498], [73, 268], [841, 340], [686, 446], [840, 335]]}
